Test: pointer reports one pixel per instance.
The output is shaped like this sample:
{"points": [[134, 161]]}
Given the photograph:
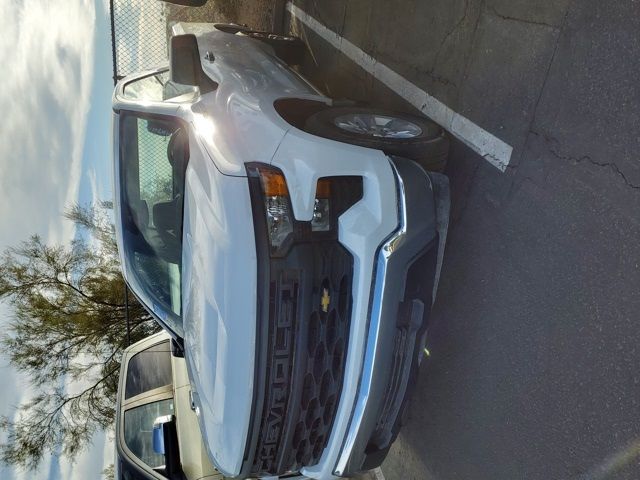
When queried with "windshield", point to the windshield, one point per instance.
{"points": [[154, 151]]}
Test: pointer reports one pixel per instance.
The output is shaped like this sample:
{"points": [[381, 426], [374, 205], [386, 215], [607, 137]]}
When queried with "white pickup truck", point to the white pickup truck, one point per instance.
{"points": [[291, 245]]}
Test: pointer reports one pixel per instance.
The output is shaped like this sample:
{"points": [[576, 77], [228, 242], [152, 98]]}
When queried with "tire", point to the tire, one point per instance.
{"points": [[287, 48], [231, 28], [187, 3], [423, 141]]}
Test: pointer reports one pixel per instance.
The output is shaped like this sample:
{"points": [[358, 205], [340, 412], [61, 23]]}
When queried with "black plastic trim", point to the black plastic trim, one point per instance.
{"points": [[296, 111], [420, 244], [262, 319]]}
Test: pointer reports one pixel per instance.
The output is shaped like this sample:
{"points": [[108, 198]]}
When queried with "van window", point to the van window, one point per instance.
{"points": [[149, 369], [138, 430]]}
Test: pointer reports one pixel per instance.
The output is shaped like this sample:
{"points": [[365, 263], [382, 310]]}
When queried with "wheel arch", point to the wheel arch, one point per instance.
{"points": [[296, 111]]}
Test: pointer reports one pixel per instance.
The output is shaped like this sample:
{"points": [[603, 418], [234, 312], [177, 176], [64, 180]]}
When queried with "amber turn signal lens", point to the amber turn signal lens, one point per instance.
{"points": [[323, 189], [273, 184]]}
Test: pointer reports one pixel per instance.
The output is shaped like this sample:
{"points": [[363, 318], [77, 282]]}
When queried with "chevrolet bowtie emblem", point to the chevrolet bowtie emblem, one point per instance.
{"points": [[324, 300]]}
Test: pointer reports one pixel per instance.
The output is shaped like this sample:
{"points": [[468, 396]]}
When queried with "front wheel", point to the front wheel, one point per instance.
{"points": [[416, 138]]}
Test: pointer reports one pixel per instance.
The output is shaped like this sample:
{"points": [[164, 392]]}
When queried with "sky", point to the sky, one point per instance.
{"points": [[55, 150]]}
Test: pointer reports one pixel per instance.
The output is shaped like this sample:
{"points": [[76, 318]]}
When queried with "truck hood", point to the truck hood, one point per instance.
{"points": [[219, 306]]}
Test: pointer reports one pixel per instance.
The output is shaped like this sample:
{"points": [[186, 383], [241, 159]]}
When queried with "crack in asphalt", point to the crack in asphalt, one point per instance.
{"points": [[451, 32], [520, 20], [447, 82], [546, 78], [430, 72], [550, 140], [469, 52]]}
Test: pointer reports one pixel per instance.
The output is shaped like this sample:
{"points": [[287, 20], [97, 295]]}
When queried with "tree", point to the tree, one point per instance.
{"points": [[67, 334]]}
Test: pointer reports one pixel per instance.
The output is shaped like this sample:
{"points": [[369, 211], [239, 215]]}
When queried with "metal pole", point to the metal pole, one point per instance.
{"points": [[113, 42], [126, 313]]}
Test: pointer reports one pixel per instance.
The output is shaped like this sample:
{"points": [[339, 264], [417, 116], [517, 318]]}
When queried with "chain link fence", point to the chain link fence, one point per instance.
{"points": [[155, 171], [140, 31]]}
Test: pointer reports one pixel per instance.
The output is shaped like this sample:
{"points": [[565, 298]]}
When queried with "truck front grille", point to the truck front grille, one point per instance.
{"points": [[326, 345], [309, 318]]}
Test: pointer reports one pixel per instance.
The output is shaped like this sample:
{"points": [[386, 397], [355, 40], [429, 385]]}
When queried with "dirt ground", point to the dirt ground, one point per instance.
{"points": [[255, 13]]}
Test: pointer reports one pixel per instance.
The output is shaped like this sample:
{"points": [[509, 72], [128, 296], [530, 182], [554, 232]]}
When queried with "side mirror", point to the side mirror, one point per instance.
{"points": [[165, 442], [177, 348], [185, 65]]}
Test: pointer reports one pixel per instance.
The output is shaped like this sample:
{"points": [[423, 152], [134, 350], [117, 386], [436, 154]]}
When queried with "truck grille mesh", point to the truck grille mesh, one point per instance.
{"points": [[310, 312], [326, 345]]}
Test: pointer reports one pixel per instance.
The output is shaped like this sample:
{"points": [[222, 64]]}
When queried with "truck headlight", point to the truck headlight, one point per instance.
{"points": [[269, 188], [277, 207], [321, 222]]}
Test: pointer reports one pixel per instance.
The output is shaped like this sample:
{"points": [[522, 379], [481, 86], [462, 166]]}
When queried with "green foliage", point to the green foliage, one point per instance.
{"points": [[67, 334], [109, 473]]}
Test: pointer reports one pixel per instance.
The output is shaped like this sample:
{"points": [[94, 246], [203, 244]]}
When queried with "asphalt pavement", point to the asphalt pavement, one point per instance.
{"points": [[535, 353]]}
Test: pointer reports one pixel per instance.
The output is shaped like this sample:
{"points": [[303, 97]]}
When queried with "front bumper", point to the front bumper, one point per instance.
{"points": [[394, 194], [406, 277]]}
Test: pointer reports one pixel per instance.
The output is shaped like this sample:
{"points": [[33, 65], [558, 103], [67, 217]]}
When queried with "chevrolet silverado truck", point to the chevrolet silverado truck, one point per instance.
{"points": [[289, 243]]}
